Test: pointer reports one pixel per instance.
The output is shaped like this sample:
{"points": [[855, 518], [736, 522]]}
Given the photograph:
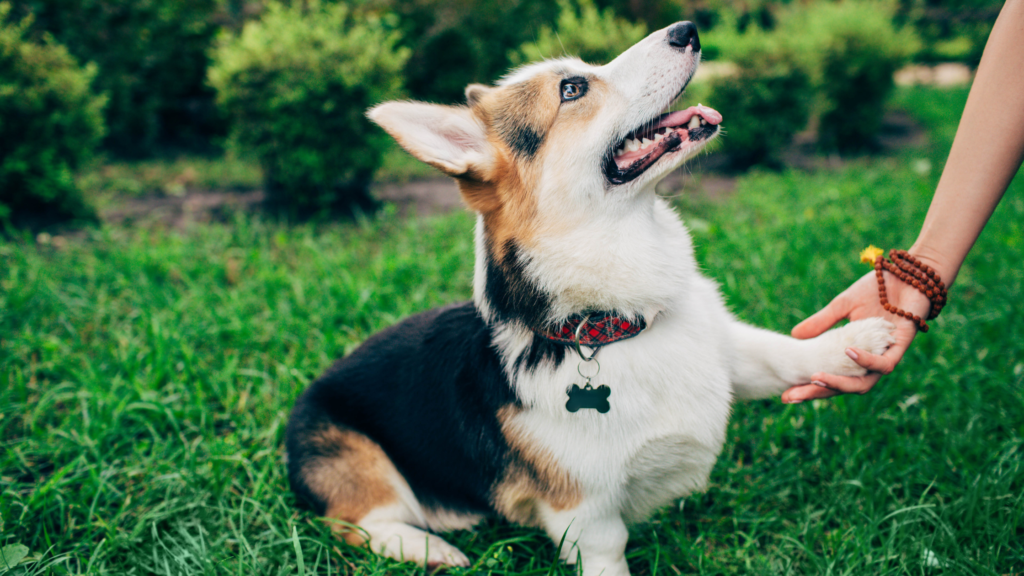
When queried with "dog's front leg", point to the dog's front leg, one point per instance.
{"points": [[597, 538], [765, 363]]}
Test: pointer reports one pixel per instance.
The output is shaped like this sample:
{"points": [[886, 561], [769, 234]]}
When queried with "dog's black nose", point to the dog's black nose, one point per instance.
{"points": [[684, 34]]}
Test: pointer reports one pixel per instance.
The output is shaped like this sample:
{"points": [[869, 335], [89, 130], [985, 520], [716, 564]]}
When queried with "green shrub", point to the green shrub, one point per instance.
{"points": [[152, 57], [457, 42], [854, 50], [595, 36], [950, 29], [296, 85], [765, 102], [50, 122]]}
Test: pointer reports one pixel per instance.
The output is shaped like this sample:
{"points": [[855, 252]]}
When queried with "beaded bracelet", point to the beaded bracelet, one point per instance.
{"points": [[911, 271]]}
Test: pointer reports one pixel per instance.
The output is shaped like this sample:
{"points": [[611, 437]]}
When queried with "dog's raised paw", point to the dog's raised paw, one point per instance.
{"points": [[872, 335]]}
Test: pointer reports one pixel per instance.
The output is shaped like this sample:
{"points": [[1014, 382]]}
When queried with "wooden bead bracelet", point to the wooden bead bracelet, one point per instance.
{"points": [[911, 271]]}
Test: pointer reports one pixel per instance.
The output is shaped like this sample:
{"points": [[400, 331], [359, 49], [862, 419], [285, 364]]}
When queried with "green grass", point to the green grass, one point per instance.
{"points": [[146, 377]]}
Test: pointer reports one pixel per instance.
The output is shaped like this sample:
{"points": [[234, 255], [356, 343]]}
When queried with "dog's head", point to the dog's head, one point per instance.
{"points": [[561, 136]]}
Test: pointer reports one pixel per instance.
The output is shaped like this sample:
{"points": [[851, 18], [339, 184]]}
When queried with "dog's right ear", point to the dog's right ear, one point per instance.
{"points": [[449, 138]]}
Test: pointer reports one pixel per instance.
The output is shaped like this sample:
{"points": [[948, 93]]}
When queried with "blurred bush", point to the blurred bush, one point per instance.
{"points": [[296, 85], [457, 42], [50, 123], [853, 50], [765, 102], [595, 36], [832, 62], [152, 57], [950, 30]]}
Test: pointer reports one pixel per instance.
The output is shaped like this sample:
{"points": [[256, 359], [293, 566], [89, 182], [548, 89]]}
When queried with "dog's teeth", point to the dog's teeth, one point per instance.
{"points": [[620, 151], [646, 142], [658, 137], [703, 121], [632, 145], [694, 122]]}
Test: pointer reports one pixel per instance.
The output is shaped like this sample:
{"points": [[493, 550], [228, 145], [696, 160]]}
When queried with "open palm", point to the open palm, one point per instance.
{"points": [[857, 302]]}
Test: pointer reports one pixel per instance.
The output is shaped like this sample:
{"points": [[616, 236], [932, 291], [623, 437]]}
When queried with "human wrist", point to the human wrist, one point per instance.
{"points": [[942, 263]]}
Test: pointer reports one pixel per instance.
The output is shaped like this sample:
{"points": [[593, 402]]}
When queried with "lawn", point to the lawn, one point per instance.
{"points": [[146, 376]]}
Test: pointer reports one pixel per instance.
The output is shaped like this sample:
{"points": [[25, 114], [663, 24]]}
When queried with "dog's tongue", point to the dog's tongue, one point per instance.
{"points": [[680, 118]]}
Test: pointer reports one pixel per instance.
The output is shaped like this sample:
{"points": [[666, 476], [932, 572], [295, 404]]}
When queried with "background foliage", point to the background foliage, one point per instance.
{"points": [[852, 49], [768, 99], [952, 30], [595, 36], [296, 85], [152, 60], [50, 123], [456, 42]]}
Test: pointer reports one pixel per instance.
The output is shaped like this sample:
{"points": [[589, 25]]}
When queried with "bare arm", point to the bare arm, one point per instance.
{"points": [[985, 156], [986, 153]]}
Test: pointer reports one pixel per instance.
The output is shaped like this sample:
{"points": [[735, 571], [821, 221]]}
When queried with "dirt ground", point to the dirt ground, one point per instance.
{"points": [[705, 175]]}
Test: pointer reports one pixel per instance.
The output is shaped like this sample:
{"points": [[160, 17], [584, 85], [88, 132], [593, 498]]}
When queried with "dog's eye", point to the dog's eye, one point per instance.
{"points": [[573, 88]]}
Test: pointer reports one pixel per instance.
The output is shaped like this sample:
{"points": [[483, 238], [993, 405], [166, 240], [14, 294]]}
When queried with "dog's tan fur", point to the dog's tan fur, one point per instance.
{"points": [[533, 477], [503, 191], [353, 477]]}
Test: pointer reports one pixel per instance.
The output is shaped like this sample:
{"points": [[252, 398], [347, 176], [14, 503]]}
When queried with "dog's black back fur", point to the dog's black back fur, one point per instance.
{"points": [[428, 391]]}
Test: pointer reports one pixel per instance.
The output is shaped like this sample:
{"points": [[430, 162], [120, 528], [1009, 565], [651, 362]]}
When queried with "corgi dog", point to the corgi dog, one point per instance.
{"points": [[590, 380]]}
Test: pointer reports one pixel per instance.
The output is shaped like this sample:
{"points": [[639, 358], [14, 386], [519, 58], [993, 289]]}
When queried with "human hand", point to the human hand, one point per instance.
{"points": [[860, 301]]}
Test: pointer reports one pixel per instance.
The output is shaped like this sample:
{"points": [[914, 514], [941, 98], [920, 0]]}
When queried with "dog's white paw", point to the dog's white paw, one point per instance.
{"points": [[409, 544], [441, 553], [873, 335]]}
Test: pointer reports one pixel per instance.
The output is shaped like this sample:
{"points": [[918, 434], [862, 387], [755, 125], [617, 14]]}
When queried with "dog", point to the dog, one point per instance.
{"points": [[590, 380]]}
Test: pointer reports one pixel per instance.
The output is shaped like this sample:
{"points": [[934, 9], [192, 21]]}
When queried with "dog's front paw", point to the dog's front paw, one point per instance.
{"points": [[873, 335]]}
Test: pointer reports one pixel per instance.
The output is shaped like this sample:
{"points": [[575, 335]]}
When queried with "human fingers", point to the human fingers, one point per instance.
{"points": [[882, 363], [821, 320], [805, 392], [845, 384]]}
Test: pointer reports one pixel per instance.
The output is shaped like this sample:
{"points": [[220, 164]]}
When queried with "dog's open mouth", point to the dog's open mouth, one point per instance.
{"points": [[667, 133]]}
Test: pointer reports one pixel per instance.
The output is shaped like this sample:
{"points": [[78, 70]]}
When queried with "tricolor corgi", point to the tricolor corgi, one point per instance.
{"points": [[589, 382]]}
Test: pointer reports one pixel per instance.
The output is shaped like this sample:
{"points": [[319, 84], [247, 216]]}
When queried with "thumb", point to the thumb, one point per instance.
{"points": [[819, 322]]}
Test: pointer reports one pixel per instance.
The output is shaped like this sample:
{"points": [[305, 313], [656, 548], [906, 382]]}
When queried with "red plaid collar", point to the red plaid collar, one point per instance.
{"points": [[601, 328]]}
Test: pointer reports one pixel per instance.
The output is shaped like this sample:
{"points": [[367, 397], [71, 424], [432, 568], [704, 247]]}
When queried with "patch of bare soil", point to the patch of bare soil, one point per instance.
{"points": [[179, 212], [421, 197], [707, 176]]}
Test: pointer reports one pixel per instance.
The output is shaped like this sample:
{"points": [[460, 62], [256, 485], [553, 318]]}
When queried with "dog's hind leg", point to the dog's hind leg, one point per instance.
{"points": [[389, 532], [349, 479]]}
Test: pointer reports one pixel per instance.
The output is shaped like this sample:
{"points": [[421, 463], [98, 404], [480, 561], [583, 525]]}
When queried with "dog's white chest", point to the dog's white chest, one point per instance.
{"points": [[669, 405]]}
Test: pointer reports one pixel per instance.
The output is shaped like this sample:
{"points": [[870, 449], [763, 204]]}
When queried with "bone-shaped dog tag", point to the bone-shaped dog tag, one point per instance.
{"points": [[589, 397]]}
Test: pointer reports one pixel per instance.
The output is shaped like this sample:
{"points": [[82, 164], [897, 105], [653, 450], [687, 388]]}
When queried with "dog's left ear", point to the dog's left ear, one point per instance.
{"points": [[449, 138]]}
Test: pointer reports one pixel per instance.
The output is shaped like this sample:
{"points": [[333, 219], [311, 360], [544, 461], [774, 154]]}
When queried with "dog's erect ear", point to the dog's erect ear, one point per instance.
{"points": [[476, 92], [450, 138]]}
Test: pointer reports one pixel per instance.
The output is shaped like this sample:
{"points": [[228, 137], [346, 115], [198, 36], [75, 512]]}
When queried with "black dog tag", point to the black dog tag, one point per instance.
{"points": [[589, 397]]}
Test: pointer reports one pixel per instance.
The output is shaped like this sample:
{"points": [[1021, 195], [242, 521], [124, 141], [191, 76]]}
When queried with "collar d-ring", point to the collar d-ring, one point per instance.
{"points": [[576, 341]]}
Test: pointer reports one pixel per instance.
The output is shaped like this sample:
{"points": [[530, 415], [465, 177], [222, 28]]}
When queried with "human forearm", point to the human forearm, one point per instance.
{"points": [[986, 152]]}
